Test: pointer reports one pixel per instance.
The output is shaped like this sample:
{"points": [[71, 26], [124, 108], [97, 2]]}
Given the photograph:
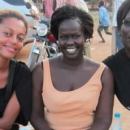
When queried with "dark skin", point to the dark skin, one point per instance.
{"points": [[125, 35], [65, 70]]}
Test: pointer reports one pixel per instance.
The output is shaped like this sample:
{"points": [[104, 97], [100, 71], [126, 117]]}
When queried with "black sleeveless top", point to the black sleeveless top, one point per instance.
{"points": [[2, 100], [120, 66], [22, 85]]}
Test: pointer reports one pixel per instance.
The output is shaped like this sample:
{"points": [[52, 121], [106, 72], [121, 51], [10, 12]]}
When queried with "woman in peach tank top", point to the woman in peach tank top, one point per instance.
{"points": [[71, 91]]}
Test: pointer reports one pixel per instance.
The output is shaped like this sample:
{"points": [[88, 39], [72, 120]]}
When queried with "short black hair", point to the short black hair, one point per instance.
{"points": [[12, 14], [71, 12], [101, 3], [122, 12]]}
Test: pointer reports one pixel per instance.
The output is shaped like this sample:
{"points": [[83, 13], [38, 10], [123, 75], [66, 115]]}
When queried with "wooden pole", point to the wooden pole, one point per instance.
{"points": [[113, 42], [87, 50]]}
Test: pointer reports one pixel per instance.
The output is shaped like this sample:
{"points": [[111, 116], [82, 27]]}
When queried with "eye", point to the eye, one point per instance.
{"points": [[75, 36], [63, 37], [126, 22], [7, 33], [20, 39]]}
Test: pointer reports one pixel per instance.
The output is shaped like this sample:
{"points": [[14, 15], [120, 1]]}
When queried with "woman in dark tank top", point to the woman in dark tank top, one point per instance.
{"points": [[15, 108], [120, 62]]}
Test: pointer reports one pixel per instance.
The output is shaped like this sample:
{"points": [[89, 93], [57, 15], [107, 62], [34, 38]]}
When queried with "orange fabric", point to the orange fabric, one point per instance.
{"points": [[72, 110]]}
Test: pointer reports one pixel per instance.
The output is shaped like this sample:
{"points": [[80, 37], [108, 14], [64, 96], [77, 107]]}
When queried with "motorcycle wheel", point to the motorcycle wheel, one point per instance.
{"points": [[34, 60]]}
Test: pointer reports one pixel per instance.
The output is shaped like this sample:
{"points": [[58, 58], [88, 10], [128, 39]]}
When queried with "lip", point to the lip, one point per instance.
{"points": [[11, 49]]}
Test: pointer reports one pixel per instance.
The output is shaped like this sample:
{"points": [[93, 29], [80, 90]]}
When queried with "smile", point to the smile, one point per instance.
{"points": [[72, 50], [11, 49]]}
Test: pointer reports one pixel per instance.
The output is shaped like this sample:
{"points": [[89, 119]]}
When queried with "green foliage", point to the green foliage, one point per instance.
{"points": [[93, 1]]}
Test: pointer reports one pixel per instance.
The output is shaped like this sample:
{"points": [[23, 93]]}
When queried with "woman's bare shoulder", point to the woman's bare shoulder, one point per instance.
{"points": [[92, 64], [37, 76], [38, 69]]}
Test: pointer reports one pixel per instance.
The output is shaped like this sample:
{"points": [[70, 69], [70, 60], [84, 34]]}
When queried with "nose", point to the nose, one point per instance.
{"points": [[13, 39], [70, 41]]}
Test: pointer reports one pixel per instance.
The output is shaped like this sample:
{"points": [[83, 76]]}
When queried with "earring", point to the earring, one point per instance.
{"points": [[87, 40]]}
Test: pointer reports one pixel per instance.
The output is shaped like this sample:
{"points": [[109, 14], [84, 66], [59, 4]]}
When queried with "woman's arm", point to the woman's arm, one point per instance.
{"points": [[10, 114], [104, 111], [37, 116]]}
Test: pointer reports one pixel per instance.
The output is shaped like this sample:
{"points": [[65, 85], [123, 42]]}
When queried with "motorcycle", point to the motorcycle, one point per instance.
{"points": [[42, 46], [43, 42]]}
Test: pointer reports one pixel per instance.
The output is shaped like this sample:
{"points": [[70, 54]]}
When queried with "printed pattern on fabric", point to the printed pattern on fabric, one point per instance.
{"points": [[48, 8]]}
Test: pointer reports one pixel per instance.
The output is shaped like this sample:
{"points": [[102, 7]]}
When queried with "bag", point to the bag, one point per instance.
{"points": [[10, 80]]}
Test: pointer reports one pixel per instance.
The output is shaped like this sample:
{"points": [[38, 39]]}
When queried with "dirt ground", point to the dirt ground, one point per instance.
{"points": [[99, 51]]}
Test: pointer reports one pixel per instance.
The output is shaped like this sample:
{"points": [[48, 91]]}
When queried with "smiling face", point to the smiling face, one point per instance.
{"points": [[71, 38], [125, 32], [12, 34]]}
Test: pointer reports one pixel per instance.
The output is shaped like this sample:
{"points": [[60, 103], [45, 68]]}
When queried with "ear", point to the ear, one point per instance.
{"points": [[85, 38], [58, 43]]}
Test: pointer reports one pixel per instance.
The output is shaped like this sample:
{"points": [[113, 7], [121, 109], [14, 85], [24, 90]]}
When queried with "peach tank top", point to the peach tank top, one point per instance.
{"points": [[72, 110]]}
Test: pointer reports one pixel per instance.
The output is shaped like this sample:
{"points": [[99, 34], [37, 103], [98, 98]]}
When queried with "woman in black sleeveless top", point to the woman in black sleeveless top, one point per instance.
{"points": [[17, 108], [120, 62]]}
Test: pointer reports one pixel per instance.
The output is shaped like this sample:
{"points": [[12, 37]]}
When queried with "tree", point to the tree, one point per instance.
{"points": [[93, 1], [87, 0]]}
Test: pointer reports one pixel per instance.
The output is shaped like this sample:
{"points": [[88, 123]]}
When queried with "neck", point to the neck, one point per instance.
{"points": [[4, 64], [127, 53], [72, 63]]}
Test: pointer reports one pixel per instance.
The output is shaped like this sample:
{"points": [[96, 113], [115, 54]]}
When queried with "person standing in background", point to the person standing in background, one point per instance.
{"points": [[47, 9], [73, 2], [117, 4], [83, 5], [60, 3], [104, 21]]}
